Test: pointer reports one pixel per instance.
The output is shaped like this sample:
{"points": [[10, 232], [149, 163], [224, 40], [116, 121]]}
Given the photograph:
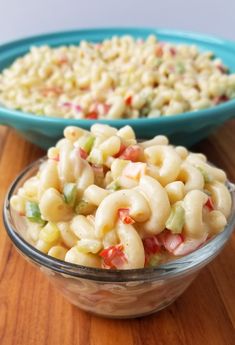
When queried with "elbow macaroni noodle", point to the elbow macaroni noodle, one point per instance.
{"points": [[159, 204], [107, 211], [103, 200], [121, 77]]}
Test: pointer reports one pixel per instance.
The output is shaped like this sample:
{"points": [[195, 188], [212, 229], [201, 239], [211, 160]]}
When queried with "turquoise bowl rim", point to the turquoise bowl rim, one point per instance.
{"points": [[197, 116]]}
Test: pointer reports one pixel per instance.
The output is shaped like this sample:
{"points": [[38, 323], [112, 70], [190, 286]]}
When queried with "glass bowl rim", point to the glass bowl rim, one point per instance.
{"points": [[180, 266]]}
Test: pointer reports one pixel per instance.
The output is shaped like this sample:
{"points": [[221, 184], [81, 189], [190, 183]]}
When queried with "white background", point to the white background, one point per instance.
{"points": [[19, 18]]}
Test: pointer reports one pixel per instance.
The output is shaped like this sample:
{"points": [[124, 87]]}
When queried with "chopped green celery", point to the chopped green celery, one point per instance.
{"points": [[50, 233], [155, 260], [157, 62], [86, 143], [118, 166], [84, 208], [231, 94], [207, 178], [176, 220], [89, 144], [70, 193], [96, 157], [180, 68], [145, 111], [33, 212], [114, 186]]}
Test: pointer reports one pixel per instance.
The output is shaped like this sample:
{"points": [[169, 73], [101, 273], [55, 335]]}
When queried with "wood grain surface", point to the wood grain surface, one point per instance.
{"points": [[32, 312]]}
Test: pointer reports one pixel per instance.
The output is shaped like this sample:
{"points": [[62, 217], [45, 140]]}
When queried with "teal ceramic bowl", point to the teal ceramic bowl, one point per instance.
{"points": [[186, 129]]}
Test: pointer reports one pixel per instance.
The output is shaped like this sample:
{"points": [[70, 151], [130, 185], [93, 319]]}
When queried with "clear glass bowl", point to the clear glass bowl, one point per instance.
{"points": [[114, 293]]}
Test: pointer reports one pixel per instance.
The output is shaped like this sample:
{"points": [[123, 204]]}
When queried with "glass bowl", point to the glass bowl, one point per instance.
{"points": [[114, 293], [185, 129]]}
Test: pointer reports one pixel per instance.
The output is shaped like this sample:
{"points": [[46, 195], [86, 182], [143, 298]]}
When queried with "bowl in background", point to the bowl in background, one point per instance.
{"points": [[186, 129], [114, 293]]}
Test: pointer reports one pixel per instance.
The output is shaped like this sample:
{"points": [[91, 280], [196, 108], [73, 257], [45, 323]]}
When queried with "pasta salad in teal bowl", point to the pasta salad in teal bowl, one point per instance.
{"points": [[158, 81]]}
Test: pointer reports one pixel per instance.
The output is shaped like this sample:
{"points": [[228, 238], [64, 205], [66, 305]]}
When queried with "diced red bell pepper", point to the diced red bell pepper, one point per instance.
{"points": [[220, 99], [62, 61], [131, 153], [56, 158], [221, 68], [67, 104], [172, 51], [170, 241], [189, 246], [83, 153], [113, 257], [93, 115], [56, 90], [124, 216], [151, 245], [128, 101], [209, 204], [98, 107], [121, 150], [78, 108], [159, 51], [106, 108]]}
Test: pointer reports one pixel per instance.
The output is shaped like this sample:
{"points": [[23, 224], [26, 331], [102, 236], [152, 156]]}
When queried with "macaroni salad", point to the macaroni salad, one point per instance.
{"points": [[121, 77], [102, 199]]}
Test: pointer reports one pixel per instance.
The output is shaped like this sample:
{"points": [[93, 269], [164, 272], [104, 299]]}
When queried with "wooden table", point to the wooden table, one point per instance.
{"points": [[32, 312]]}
